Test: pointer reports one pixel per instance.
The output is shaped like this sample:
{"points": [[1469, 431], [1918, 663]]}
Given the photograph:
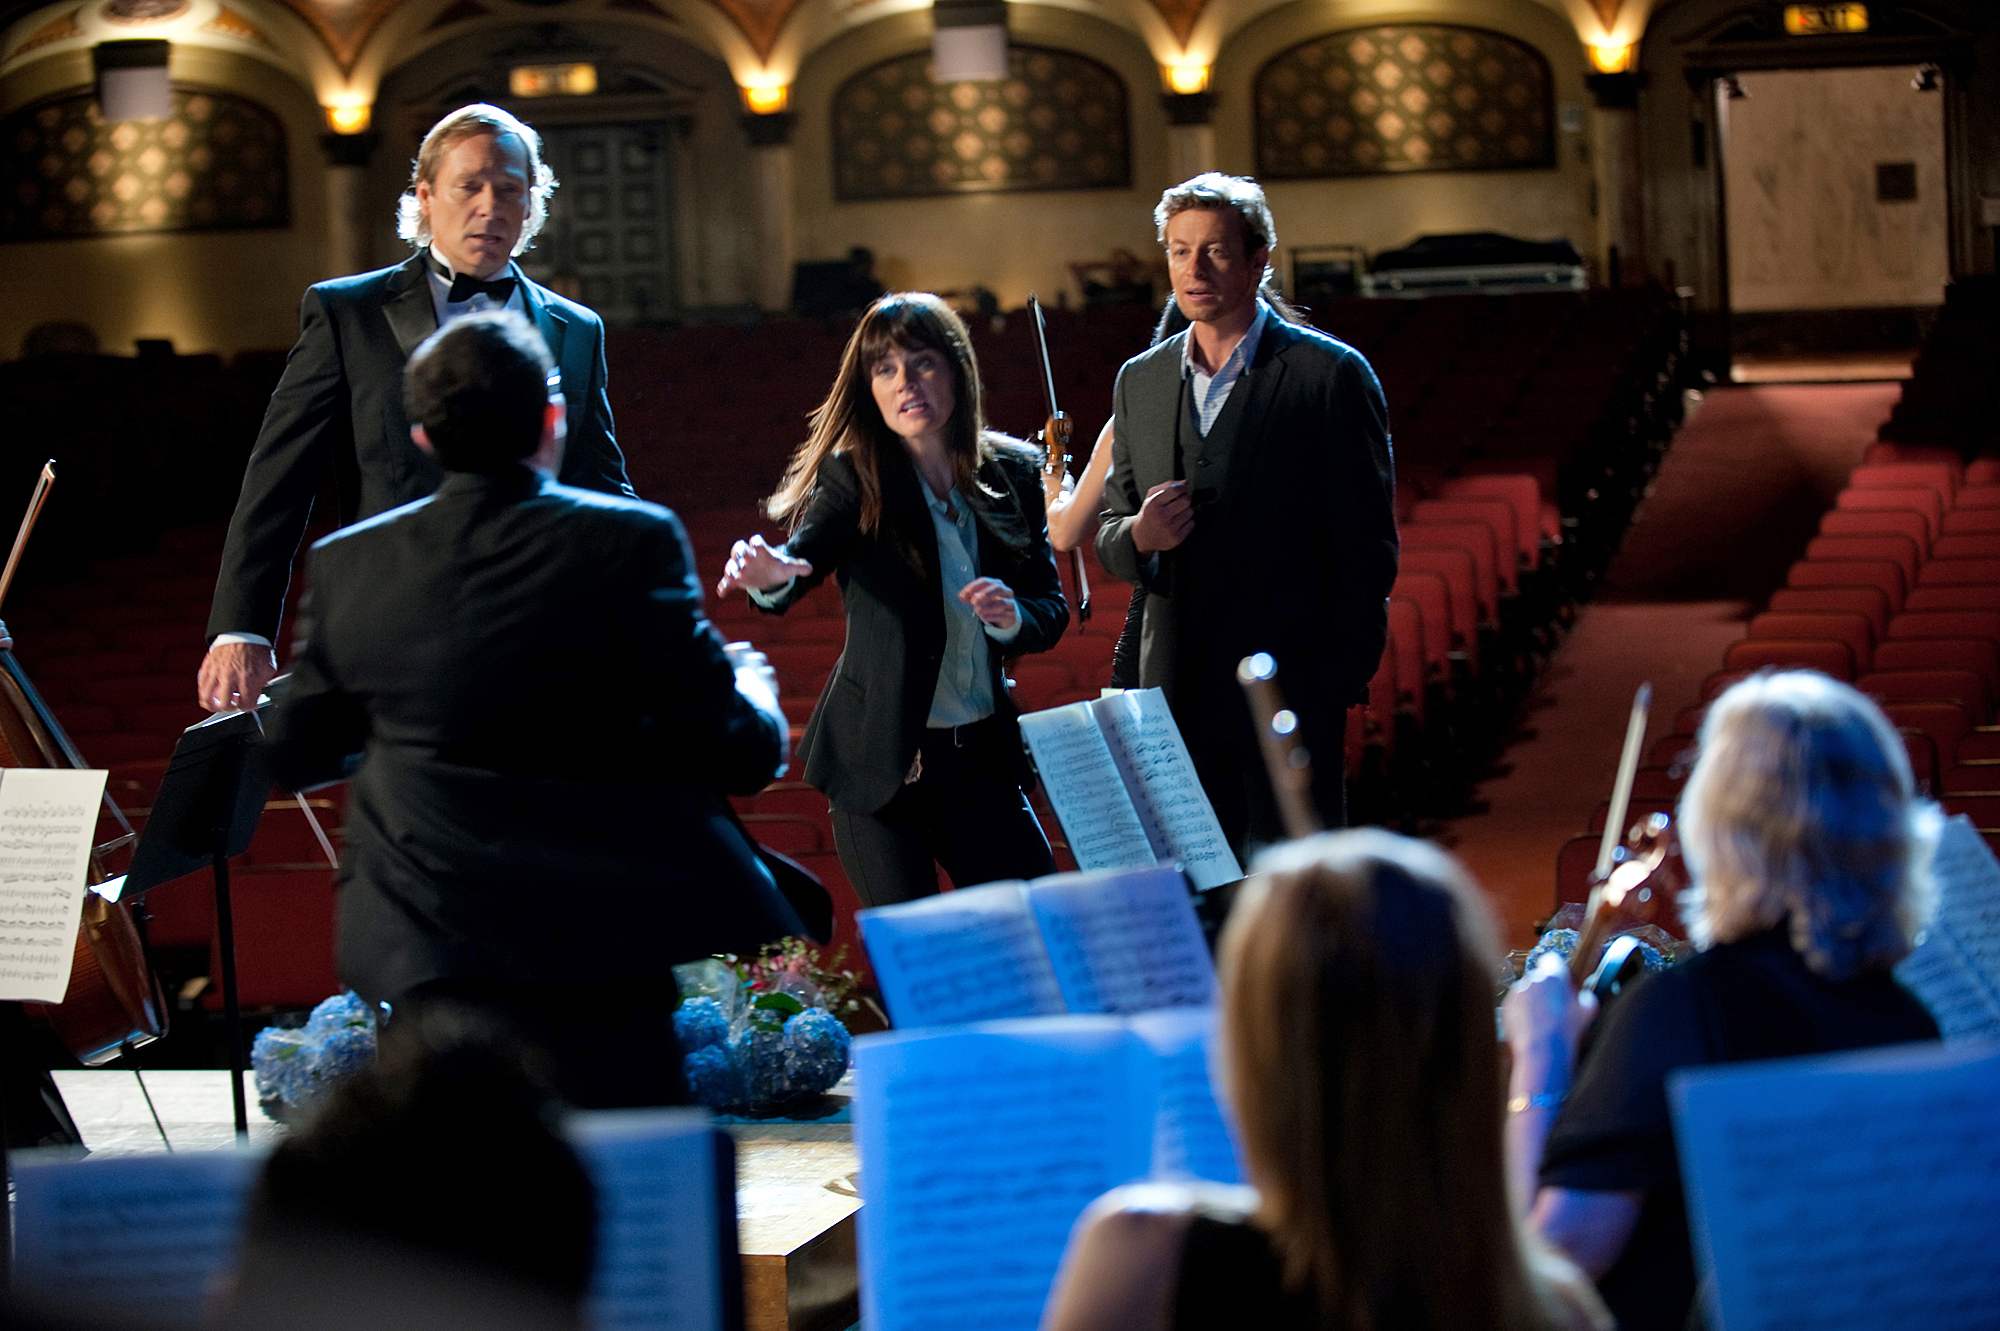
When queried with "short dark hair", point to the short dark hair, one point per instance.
{"points": [[479, 387]]}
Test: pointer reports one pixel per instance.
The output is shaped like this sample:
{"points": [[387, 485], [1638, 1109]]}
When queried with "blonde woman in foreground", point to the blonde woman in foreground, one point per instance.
{"points": [[1358, 976]]}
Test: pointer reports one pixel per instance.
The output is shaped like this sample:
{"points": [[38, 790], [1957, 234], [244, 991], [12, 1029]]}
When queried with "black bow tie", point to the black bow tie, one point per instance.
{"points": [[465, 286]]}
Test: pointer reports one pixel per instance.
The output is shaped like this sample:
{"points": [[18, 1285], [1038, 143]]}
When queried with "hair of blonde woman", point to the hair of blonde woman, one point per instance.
{"points": [[1359, 973], [850, 424], [1801, 810], [1244, 197], [469, 122]]}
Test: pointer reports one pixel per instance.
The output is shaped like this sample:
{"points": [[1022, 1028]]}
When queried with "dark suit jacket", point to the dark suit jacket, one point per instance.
{"points": [[1294, 547], [546, 724], [864, 733], [341, 401]]}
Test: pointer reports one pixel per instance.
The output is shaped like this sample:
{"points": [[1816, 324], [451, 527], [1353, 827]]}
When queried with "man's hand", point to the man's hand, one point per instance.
{"points": [[759, 567], [6, 639], [233, 675], [993, 601], [1165, 519]]}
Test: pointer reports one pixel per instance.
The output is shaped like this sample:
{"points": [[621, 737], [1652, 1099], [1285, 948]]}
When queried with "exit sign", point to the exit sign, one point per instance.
{"points": [[1818, 20]]}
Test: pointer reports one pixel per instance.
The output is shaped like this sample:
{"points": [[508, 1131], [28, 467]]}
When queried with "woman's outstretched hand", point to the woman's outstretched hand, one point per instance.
{"points": [[759, 567], [992, 600]]}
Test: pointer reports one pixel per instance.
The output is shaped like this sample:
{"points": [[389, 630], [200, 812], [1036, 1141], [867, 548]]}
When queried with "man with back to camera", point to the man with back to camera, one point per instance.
{"points": [[1252, 501], [509, 850], [479, 193]]}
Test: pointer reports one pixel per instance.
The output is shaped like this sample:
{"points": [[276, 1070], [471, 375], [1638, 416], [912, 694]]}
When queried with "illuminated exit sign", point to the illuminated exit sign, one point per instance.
{"points": [[1819, 20]]}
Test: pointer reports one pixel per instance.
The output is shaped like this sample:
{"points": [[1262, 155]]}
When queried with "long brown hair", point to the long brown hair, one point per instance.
{"points": [[1359, 974], [849, 422]]}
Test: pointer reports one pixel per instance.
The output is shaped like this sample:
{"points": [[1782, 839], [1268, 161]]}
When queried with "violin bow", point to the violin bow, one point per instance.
{"points": [[1611, 880], [1056, 433], [1285, 757]]}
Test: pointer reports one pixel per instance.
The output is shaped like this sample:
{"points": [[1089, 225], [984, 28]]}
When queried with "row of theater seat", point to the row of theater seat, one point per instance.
{"points": [[1898, 594]]}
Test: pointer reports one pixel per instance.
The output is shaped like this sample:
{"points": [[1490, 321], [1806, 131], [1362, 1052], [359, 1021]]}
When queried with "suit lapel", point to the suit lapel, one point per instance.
{"points": [[1265, 375], [411, 315], [547, 318]]}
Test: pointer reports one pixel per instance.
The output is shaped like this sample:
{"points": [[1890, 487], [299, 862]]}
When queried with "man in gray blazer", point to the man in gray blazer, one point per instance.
{"points": [[1252, 501], [478, 196]]}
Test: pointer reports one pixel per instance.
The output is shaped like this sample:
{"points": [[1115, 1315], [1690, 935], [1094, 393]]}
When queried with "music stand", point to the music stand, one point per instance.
{"points": [[208, 807]]}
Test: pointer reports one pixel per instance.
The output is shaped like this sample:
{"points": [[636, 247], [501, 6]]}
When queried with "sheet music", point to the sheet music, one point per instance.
{"points": [[1191, 1132], [1955, 970], [970, 955], [659, 1243], [146, 1234], [47, 820], [979, 1149], [1846, 1193], [1081, 775], [1140, 722], [1124, 940]]}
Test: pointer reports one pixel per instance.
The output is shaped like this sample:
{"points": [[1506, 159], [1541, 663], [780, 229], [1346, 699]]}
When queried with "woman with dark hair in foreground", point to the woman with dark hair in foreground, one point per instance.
{"points": [[934, 528], [1357, 1053], [1807, 847]]}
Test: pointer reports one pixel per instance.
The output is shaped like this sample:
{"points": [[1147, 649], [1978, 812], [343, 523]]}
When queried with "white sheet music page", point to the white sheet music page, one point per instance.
{"points": [[659, 1265], [1955, 969], [970, 955], [1086, 789], [144, 1234], [1143, 725], [47, 820], [1124, 940], [1191, 1132], [979, 1149], [1846, 1193]]}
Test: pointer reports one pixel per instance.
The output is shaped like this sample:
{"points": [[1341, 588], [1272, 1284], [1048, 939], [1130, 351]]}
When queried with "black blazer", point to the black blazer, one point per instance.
{"points": [[341, 401], [545, 727], [864, 733], [1294, 548]]}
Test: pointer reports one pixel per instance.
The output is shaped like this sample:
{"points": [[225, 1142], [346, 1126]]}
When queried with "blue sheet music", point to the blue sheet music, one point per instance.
{"points": [[1955, 969], [1191, 1132], [1846, 1193], [970, 955], [1124, 940], [659, 1239]]}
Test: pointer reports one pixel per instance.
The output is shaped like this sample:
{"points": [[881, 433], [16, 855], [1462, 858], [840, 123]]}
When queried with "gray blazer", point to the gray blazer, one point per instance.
{"points": [[341, 401], [1294, 547]]}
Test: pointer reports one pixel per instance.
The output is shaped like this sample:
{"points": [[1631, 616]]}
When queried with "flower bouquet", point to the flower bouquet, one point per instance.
{"points": [[295, 1066], [764, 1038]]}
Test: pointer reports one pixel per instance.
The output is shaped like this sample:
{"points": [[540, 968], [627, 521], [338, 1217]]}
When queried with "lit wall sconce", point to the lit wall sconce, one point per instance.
{"points": [[969, 41], [349, 119], [1927, 79], [1186, 79], [576, 78], [767, 101], [1607, 58], [132, 81]]}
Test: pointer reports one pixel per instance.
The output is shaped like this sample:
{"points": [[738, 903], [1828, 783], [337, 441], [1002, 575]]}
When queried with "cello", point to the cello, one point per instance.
{"points": [[114, 1002]]}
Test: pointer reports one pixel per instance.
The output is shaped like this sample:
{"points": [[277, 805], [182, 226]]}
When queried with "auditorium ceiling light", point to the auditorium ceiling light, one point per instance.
{"points": [[1611, 58], [767, 100], [1187, 79], [349, 119]]}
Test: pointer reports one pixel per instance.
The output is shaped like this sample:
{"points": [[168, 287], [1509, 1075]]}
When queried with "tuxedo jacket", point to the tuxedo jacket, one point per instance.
{"points": [[1294, 547], [340, 400], [870, 720], [541, 726]]}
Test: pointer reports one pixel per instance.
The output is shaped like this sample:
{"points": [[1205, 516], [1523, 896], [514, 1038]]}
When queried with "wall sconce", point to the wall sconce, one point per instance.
{"points": [[349, 119], [1187, 79], [132, 81], [1926, 79], [969, 41], [767, 101], [1607, 58], [1732, 87], [576, 78]]}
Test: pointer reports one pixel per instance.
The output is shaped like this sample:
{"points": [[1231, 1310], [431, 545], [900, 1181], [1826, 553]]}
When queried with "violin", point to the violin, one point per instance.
{"points": [[1636, 881], [1057, 431], [114, 1001]]}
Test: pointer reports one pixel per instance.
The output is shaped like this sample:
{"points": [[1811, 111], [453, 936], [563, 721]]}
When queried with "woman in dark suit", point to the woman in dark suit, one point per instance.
{"points": [[934, 528]]}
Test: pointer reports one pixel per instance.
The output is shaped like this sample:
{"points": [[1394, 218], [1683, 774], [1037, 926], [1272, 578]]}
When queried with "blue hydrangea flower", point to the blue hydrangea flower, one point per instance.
{"points": [[816, 1046], [760, 1060], [343, 1009], [283, 1062], [343, 1052], [700, 1022], [712, 1079], [1562, 942]]}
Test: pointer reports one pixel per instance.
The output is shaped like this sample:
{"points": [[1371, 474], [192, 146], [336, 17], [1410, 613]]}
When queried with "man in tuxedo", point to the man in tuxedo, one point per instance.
{"points": [[478, 196], [508, 849], [1252, 500]]}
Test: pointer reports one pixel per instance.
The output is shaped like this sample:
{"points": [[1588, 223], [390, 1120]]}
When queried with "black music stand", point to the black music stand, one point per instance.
{"points": [[209, 803]]}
